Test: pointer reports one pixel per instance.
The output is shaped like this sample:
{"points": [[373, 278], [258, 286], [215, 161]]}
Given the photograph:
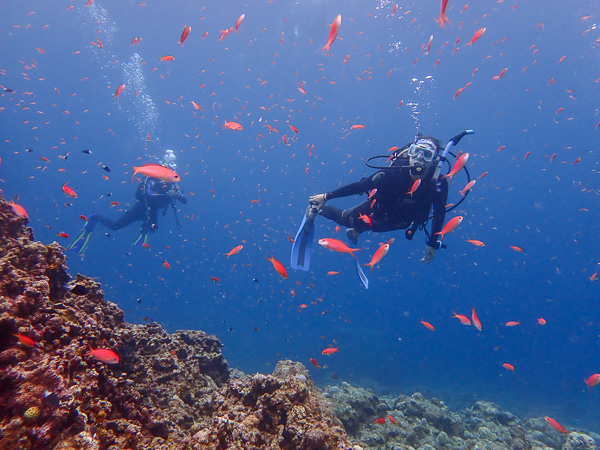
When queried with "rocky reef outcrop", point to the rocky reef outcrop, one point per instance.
{"points": [[167, 390]]}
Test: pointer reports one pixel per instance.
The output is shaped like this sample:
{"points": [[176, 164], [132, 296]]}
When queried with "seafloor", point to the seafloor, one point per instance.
{"points": [[176, 391]]}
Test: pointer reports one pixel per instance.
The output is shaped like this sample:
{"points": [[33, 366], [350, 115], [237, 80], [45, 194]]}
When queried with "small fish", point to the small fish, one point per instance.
{"points": [[314, 362], [557, 426], [427, 325], [380, 421], [278, 267], [476, 320], [541, 321], [450, 226], [332, 272], [118, 92], [443, 18], [184, 34], [233, 126], [333, 32], [516, 248], [378, 255], [476, 36], [239, 21], [68, 191], [167, 265], [357, 127], [167, 58], [215, 279], [468, 187], [476, 243], [18, 209], [512, 323], [391, 419], [458, 165], [156, 171], [414, 187], [145, 245], [86, 151], [592, 381], [330, 351], [337, 246], [25, 340], [462, 318], [104, 355], [63, 235], [508, 366], [234, 251]]}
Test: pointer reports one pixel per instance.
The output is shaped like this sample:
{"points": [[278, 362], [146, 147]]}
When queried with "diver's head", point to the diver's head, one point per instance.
{"points": [[170, 160], [422, 155]]}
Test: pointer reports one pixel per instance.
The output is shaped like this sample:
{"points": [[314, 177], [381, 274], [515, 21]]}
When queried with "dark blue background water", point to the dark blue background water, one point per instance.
{"points": [[63, 102]]}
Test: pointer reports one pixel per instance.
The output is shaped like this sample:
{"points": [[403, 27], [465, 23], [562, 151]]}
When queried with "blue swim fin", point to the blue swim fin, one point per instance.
{"points": [[363, 278], [303, 244]]}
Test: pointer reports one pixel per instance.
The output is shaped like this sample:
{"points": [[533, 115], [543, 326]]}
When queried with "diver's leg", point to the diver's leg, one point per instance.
{"points": [[339, 216], [132, 215]]}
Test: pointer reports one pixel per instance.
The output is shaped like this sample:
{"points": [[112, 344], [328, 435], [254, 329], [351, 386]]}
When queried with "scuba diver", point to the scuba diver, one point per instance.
{"points": [[152, 195], [403, 195]]}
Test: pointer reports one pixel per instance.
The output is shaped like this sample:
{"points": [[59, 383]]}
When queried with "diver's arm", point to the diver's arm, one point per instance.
{"points": [[360, 187]]}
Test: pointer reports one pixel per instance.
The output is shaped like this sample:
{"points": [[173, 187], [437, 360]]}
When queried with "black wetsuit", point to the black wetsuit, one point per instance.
{"points": [[152, 195], [394, 208]]}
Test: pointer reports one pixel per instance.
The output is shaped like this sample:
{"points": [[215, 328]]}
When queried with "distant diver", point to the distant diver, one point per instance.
{"points": [[403, 195], [152, 195]]}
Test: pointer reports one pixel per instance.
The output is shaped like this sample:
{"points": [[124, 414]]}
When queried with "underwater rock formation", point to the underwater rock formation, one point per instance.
{"points": [[166, 391], [429, 424]]}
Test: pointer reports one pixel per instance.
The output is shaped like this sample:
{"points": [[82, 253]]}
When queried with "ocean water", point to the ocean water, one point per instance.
{"points": [[250, 187]]}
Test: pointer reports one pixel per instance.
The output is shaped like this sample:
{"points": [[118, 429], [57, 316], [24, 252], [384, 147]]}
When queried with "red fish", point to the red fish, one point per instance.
{"points": [[476, 243], [450, 226], [476, 36], [429, 44], [516, 248], [592, 381], [233, 126], [463, 319], [18, 209], [497, 77], [378, 255], [119, 90], [337, 246], [414, 187], [427, 325], [476, 320], [104, 355], [215, 279], [468, 187], [391, 419], [278, 267], [380, 421], [335, 27], [167, 265], [357, 127], [184, 35], [508, 366], [167, 58], [239, 21], [234, 251], [458, 165], [68, 191], [443, 18], [512, 323], [63, 235], [145, 245], [330, 351], [541, 321], [27, 341], [156, 171], [314, 362], [557, 426]]}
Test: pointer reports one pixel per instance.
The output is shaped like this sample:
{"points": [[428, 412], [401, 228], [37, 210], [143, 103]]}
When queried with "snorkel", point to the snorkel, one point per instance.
{"points": [[451, 143]]}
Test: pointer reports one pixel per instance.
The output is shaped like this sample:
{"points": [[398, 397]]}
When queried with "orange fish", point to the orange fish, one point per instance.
{"points": [[463, 319], [508, 366], [184, 35], [380, 421], [450, 226], [414, 187], [468, 187], [278, 267], [27, 341], [512, 323], [391, 419], [239, 21], [592, 381], [497, 77], [335, 27], [476, 243], [427, 325], [557, 426], [104, 355], [476, 320], [234, 251], [156, 171], [594, 276], [68, 191], [119, 90], [18, 209], [330, 351], [372, 193], [167, 58], [145, 245], [516, 249], [541, 321], [215, 279], [167, 265], [294, 129], [233, 126], [443, 18], [337, 246], [196, 105], [357, 127], [476, 36], [314, 362], [458, 165], [378, 255], [332, 272]]}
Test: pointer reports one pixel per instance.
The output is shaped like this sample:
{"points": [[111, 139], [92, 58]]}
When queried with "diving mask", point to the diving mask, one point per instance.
{"points": [[423, 149]]}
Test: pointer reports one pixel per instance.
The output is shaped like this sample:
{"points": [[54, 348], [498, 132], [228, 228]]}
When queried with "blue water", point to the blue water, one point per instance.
{"points": [[63, 102]]}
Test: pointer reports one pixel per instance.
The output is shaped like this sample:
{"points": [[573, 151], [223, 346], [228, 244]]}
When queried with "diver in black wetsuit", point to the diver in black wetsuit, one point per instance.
{"points": [[152, 195], [392, 206]]}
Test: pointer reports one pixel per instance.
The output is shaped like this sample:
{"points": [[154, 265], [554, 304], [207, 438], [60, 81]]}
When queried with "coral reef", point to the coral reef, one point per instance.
{"points": [[167, 391], [430, 424]]}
